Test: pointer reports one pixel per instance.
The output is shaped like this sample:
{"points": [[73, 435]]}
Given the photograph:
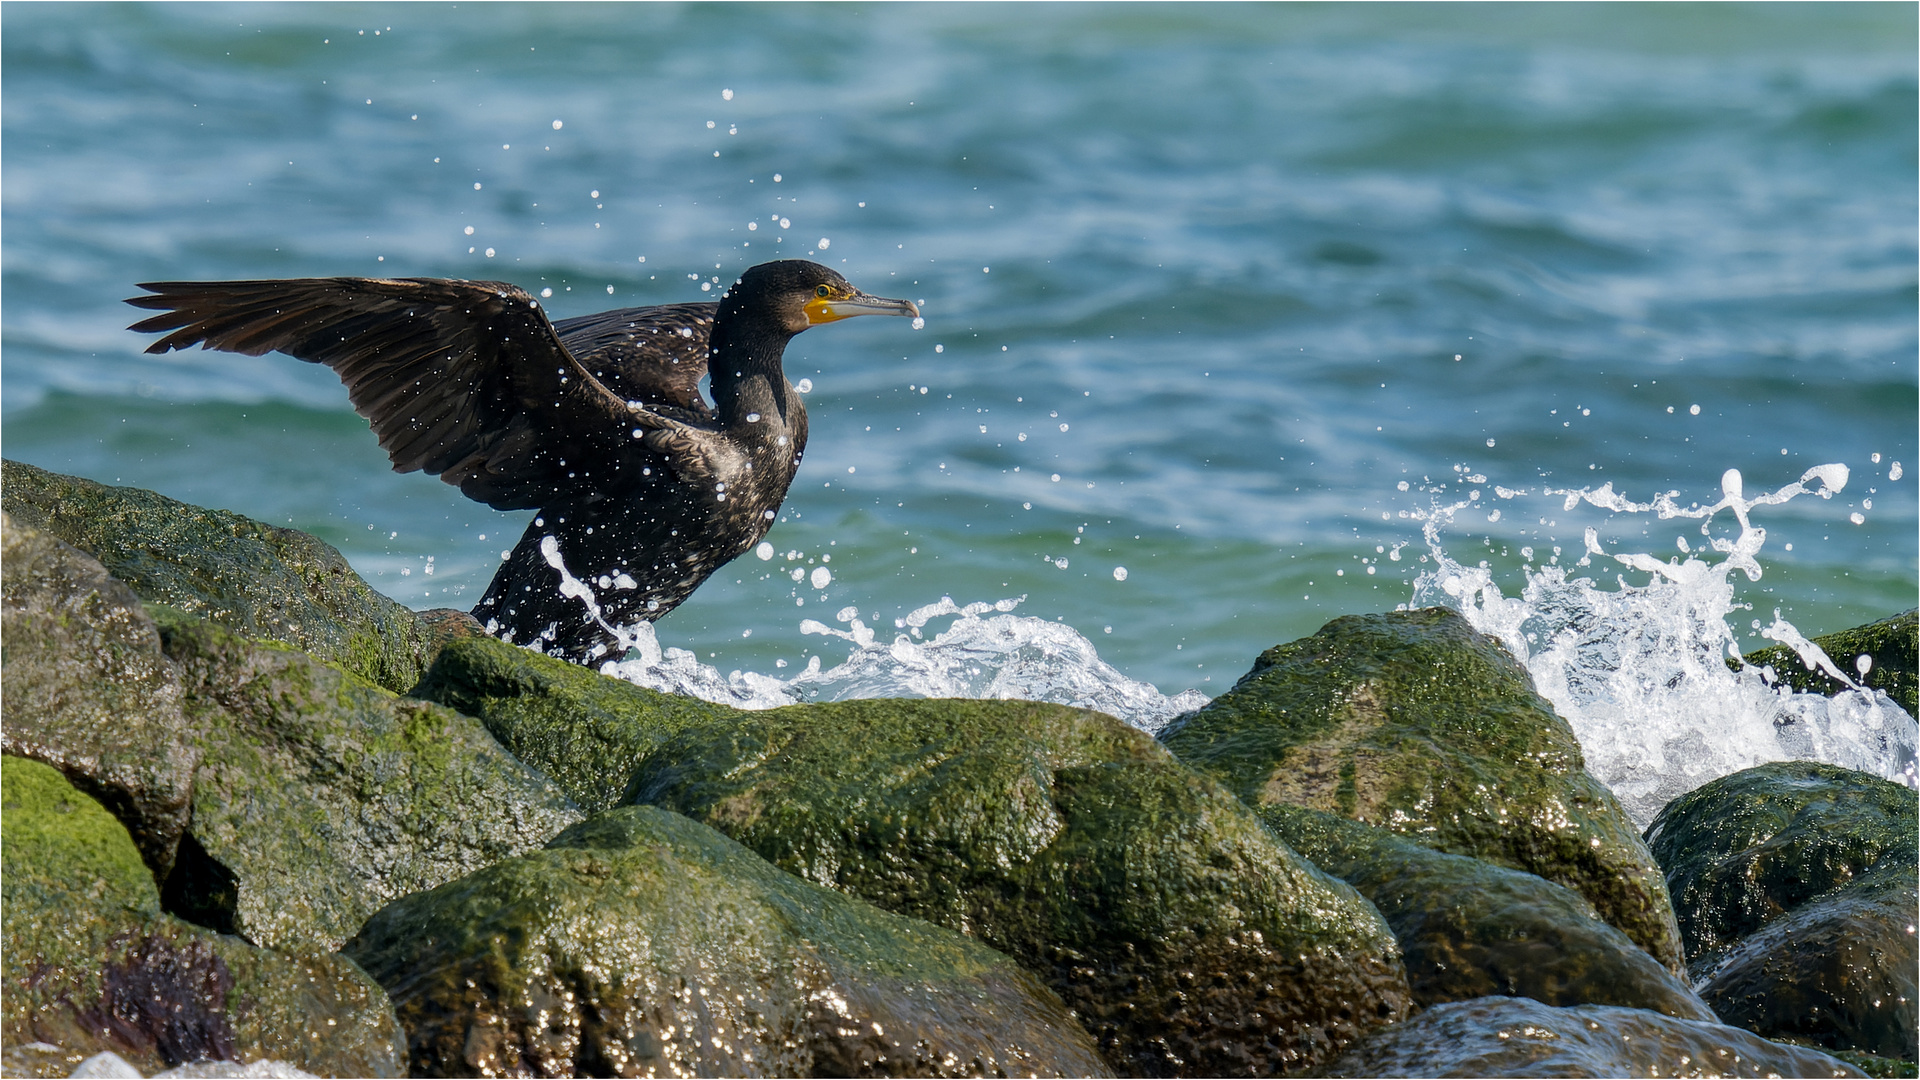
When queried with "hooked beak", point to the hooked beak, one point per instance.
{"points": [[823, 310]]}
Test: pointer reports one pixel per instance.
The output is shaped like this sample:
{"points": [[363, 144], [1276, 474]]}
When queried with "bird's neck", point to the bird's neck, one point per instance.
{"points": [[750, 390]]}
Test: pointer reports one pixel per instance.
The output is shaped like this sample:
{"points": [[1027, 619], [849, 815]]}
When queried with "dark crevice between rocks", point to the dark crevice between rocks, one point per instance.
{"points": [[201, 889]]}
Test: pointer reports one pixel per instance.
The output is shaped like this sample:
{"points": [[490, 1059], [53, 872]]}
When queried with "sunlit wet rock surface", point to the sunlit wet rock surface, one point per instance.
{"points": [[585, 731], [255, 579], [88, 690], [92, 964], [1414, 722], [1795, 884], [642, 943], [321, 797], [1500, 1036], [1470, 929], [1185, 938]]}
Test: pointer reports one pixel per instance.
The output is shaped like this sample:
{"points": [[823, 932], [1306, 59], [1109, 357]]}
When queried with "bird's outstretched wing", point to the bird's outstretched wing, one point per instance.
{"points": [[465, 379], [657, 355]]}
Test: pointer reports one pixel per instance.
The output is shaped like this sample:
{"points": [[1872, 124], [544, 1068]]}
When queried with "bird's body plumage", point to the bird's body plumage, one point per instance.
{"points": [[597, 421]]}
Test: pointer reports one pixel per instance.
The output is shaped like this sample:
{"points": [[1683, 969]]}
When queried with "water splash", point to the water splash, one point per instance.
{"points": [[1005, 658], [1641, 671]]}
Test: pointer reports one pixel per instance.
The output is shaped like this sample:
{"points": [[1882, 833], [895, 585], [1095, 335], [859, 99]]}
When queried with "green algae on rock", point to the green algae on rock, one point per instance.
{"points": [[88, 690], [91, 963], [255, 579], [1186, 939], [1500, 1036], [642, 943], [1892, 644], [321, 797], [1795, 885], [1470, 929], [586, 731], [1414, 722]]}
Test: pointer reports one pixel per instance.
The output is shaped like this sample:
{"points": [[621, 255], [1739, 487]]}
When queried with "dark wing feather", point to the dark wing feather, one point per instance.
{"points": [[466, 379], [657, 355]]}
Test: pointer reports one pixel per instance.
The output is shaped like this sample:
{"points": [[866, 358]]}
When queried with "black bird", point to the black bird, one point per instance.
{"points": [[643, 488]]}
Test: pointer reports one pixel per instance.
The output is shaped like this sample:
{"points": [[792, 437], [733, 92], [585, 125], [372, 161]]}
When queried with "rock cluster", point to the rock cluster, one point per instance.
{"points": [[255, 812]]}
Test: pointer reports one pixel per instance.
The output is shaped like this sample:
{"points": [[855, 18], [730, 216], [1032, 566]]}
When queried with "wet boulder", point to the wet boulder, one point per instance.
{"points": [[321, 797], [641, 943], [1186, 939], [252, 578], [1414, 722], [585, 731], [91, 964], [1891, 647], [88, 690], [1795, 885], [1501, 1036], [1471, 929]]}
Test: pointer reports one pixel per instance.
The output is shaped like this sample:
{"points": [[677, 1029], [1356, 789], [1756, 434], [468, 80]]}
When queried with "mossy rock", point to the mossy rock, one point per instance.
{"points": [[586, 731], [255, 579], [88, 690], [321, 797], [1502, 1036], [1414, 722], [1795, 883], [1880, 1068], [641, 943], [1185, 937], [91, 964], [1471, 929], [1894, 645]]}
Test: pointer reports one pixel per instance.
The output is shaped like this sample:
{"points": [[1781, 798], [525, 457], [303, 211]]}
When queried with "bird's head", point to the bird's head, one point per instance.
{"points": [[795, 294]]}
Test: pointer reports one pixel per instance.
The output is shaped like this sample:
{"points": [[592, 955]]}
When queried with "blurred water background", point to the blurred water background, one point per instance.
{"points": [[1221, 296]]}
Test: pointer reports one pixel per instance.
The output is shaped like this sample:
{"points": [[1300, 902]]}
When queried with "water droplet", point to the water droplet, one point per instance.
{"points": [[1119, 573], [764, 551], [805, 386]]}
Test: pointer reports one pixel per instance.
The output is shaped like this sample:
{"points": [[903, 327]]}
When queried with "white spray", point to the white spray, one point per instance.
{"points": [[1007, 657], [1641, 672]]}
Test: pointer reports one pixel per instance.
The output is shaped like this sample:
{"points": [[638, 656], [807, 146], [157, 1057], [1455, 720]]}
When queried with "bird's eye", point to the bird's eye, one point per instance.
{"points": [[821, 290]]}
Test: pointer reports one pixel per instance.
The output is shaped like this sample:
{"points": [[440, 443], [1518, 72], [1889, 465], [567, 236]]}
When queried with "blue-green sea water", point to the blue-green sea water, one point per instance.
{"points": [[1204, 286]]}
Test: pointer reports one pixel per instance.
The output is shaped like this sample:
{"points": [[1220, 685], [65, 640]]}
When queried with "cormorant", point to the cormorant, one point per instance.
{"points": [[597, 421]]}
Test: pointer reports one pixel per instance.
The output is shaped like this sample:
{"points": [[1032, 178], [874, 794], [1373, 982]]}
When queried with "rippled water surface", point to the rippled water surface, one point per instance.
{"points": [[1217, 295]]}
